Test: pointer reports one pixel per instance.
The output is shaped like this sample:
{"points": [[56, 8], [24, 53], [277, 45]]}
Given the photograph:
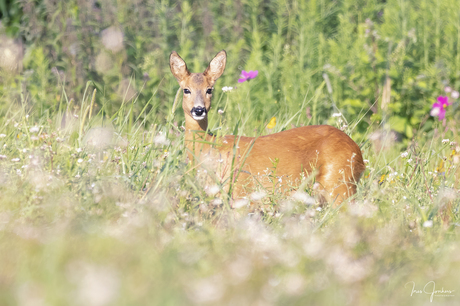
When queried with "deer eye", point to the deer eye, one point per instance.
{"points": [[187, 91], [209, 91]]}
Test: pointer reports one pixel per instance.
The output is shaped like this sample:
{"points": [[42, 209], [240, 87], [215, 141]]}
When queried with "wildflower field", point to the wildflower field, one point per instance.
{"points": [[99, 205]]}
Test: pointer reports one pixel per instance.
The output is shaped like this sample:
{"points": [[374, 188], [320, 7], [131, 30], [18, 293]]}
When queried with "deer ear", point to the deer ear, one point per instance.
{"points": [[178, 66], [216, 66]]}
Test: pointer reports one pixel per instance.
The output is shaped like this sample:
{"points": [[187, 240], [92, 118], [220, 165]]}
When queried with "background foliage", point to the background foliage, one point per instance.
{"points": [[353, 46], [99, 207]]}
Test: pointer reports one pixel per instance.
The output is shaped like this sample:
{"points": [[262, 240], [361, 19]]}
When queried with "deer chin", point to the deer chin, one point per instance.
{"points": [[198, 118]]}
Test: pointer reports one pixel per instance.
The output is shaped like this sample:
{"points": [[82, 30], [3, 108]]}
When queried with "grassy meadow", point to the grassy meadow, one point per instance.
{"points": [[99, 206]]}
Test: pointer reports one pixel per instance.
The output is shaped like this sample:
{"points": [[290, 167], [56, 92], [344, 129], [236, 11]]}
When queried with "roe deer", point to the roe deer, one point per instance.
{"points": [[278, 160]]}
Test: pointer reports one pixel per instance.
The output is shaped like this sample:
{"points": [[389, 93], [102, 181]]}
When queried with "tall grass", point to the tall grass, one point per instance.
{"points": [[98, 205]]}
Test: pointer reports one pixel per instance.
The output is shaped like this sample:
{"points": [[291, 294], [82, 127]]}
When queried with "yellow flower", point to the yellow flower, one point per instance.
{"points": [[272, 123], [440, 168]]}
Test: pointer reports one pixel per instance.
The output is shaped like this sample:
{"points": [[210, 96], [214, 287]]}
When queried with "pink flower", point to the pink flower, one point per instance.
{"points": [[439, 108], [246, 76]]}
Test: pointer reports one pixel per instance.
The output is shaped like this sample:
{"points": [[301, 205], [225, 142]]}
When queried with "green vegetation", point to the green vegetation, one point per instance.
{"points": [[99, 207]]}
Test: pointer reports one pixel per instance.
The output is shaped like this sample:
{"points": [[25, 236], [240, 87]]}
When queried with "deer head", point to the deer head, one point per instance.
{"points": [[197, 87]]}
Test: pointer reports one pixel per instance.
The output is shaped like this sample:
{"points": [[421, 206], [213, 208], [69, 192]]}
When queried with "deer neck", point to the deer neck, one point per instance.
{"points": [[196, 131], [191, 126]]}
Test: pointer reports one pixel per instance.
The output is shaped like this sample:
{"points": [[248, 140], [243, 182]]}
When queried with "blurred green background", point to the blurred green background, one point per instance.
{"points": [[339, 55]]}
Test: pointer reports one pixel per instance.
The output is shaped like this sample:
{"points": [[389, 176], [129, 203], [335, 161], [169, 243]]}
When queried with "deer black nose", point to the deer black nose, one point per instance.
{"points": [[198, 111]]}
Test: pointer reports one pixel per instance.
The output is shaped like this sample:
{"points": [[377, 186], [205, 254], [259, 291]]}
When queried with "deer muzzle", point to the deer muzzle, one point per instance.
{"points": [[198, 113]]}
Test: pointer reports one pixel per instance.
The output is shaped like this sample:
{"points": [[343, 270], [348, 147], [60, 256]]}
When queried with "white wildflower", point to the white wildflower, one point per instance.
{"points": [[15, 159], [30, 293], [161, 140], [227, 88], [294, 284], [240, 203], [220, 111], [112, 39], [11, 54], [80, 160], [216, 202], [365, 209], [428, 223], [95, 285], [455, 94], [404, 154], [336, 115], [447, 194], [258, 195], [444, 141], [34, 129], [79, 150], [208, 290], [2, 156], [409, 160], [240, 270], [100, 138], [212, 190], [2, 135], [303, 197], [318, 208]]}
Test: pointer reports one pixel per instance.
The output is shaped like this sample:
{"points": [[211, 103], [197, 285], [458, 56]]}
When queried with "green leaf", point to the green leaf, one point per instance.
{"points": [[398, 124]]}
